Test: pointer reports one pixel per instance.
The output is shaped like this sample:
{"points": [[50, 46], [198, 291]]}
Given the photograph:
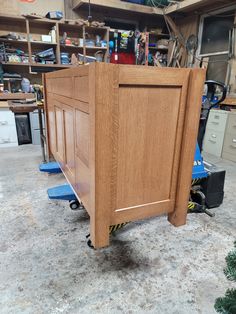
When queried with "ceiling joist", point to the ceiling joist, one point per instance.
{"points": [[119, 5], [181, 6]]}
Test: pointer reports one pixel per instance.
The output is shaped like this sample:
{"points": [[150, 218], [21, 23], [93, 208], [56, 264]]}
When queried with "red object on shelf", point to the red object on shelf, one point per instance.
{"points": [[28, 1], [122, 58]]}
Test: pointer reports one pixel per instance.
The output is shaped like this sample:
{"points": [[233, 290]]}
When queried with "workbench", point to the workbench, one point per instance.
{"points": [[125, 138]]}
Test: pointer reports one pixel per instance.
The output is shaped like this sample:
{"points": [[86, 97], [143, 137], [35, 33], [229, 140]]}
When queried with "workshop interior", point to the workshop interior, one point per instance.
{"points": [[118, 156]]}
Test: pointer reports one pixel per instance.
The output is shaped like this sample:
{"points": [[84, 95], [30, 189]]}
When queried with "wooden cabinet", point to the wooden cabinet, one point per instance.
{"points": [[125, 138]]}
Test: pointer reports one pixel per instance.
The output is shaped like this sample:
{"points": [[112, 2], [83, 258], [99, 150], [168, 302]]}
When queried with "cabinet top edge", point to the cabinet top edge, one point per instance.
{"points": [[83, 70]]}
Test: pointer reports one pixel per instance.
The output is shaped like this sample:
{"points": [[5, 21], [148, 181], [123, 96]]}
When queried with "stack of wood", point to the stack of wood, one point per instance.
{"points": [[182, 52]]}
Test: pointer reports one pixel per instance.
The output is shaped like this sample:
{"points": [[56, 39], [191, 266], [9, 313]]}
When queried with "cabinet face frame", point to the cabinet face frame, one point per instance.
{"points": [[98, 101]]}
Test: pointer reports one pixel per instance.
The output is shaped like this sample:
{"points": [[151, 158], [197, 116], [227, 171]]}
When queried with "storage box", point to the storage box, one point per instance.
{"points": [[46, 38]]}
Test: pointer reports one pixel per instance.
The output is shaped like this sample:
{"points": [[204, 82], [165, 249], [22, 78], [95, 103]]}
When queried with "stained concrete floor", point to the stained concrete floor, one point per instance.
{"points": [[150, 266]]}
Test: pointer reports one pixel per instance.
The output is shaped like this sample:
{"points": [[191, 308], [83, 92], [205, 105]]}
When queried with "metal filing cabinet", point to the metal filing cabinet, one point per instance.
{"points": [[215, 131], [229, 148], [8, 135], [35, 131]]}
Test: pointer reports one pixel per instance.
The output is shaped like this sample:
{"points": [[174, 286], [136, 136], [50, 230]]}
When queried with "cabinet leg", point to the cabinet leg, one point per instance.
{"points": [[99, 234], [178, 217]]}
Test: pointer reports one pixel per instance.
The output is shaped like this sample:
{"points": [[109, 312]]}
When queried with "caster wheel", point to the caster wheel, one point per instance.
{"points": [[89, 242], [75, 205]]}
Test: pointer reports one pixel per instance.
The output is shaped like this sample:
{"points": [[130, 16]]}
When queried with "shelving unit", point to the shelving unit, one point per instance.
{"points": [[33, 29], [154, 38]]}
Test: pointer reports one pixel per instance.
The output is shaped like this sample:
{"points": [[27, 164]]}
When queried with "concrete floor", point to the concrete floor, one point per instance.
{"points": [[150, 267]]}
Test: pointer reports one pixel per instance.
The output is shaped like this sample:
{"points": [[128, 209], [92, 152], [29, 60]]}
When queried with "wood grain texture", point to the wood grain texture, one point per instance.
{"points": [[147, 169], [188, 146], [125, 137], [69, 143], [106, 80]]}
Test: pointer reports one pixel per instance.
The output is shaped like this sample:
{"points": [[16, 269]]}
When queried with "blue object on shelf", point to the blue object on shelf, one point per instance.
{"points": [[65, 59], [54, 15], [135, 1], [62, 192], [199, 171], [50, 167]]}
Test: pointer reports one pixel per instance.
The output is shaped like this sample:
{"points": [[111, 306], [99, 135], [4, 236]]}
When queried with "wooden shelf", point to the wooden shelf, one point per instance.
{"points": [[43, 43], [118, 5], [16, 63], [71, 46], [14, 41], [48, 65], [9, 96], [95, 48], [35, 65]]}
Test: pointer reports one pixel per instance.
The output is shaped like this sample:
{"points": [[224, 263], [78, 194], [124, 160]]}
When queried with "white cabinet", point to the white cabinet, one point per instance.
{"points": [[229, 148], [35, 131], [215, 131], [8, 135]]}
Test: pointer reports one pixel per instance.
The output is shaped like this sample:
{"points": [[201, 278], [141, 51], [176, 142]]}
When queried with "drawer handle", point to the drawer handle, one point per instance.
{"points": [[212, 141], [213, 135], [3, 122], [215, 122]]}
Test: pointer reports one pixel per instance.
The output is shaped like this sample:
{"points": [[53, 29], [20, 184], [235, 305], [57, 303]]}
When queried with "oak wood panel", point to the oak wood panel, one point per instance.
{"points": [[77, 104], [82, 136], [52, 131], [135, 75], [69, 144], [142, 211], [76, 71], [61, 86], [82, 183], [148, 120], [82, 88], [188, 146], [59, 121], [106, 80]]}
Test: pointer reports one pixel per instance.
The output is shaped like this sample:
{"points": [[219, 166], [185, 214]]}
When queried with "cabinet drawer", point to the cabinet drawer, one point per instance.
{"points": [[217, 120], [6, 117], [231, 125], [8, 135], [230, 143], [213, 142]]}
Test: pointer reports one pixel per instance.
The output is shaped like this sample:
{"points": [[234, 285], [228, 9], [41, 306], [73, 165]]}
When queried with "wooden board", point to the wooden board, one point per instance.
{"points": [[229, 101], [120, 5], [11, 96], [194, 5], [125, 138]]}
